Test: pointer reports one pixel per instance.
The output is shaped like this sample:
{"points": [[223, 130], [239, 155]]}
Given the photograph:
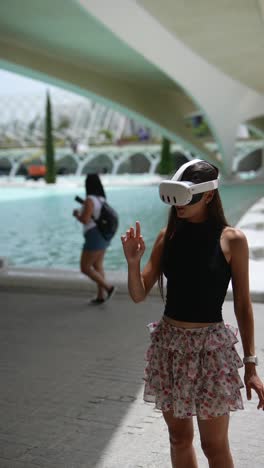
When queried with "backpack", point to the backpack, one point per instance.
{"points": [[107, 222]]}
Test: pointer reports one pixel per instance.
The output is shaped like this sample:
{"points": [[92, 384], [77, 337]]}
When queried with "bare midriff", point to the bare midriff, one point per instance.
{"points": [[179, 324]]}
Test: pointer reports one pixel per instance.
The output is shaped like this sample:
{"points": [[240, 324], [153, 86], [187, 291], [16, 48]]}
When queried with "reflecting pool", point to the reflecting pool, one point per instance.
{"points": [[38, 230]]}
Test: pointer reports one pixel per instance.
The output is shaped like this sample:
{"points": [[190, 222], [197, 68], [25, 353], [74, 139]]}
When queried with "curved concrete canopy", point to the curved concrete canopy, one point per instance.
{"points": [[122, 52], [227, 34], [226, 102], [73, 50]]}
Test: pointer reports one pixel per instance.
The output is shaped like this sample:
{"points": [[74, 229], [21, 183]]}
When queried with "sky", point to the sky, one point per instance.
{"points": [[11, 83], [22, 96]]}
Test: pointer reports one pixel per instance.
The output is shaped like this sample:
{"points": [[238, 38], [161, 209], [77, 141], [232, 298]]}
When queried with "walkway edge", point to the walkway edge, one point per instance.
{"points": [[72, 282]]}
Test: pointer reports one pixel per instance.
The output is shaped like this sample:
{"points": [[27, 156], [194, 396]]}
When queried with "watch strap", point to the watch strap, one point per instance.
{"points": [[250, 359]]}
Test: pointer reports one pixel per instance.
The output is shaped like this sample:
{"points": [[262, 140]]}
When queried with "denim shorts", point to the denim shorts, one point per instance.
{"points": [[94, 240]]}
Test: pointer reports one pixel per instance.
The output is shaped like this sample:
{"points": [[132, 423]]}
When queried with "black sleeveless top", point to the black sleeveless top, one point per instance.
{"points": [[197, 273]]}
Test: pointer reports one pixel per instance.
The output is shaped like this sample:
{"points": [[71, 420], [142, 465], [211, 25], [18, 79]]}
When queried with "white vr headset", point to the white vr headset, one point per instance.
{"points": [[183, 193]]}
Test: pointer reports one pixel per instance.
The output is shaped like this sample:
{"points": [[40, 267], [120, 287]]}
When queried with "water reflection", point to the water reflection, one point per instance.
{"points": [[37, 228]]}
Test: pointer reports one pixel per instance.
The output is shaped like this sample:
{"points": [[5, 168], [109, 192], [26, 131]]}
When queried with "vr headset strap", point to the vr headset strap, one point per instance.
{"points": [[180, 171], [204, 186]]}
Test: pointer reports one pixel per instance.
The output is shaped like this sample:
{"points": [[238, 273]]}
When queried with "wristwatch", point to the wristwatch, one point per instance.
{"points": [[252, 359]]}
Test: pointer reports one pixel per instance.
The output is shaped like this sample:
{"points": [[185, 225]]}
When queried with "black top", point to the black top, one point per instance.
{"points": [[197, 273]]}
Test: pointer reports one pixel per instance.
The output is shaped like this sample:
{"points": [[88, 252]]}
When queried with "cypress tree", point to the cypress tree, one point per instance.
{"points": [[166, 164], [49, 145]]}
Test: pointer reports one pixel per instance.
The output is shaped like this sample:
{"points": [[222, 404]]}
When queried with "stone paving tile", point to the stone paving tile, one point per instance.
{"points": [[10, 450], [17, 464]]}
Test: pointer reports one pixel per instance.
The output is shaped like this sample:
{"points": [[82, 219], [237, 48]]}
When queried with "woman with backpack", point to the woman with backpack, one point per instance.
{"points": [[192, 364], [95, 245]]}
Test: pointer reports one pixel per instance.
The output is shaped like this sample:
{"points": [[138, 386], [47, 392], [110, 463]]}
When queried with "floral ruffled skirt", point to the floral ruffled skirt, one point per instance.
{"points": [[193, 371]]}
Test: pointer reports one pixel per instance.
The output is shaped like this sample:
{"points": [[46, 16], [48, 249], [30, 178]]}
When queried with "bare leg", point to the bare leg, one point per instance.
{"points": [[181, 438], [88, 258], [214, 441], [99, 267]]}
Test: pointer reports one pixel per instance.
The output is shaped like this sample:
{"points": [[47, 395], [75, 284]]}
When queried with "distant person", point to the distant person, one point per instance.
{"points": [[74, 145], [95, 245], [143, 134], [192, 364]]}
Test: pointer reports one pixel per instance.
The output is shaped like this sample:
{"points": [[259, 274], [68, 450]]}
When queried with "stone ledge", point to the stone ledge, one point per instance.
{"points": [[59, 281], [256, 296], [70, 282], [3, 264]]}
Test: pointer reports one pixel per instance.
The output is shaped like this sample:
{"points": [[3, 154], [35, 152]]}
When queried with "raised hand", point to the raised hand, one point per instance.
{"points": [[133, 244]]}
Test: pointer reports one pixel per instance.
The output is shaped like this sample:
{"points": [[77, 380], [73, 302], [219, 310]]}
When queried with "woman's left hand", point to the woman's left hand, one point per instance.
{"points": [[75, 213], [252, 381]]}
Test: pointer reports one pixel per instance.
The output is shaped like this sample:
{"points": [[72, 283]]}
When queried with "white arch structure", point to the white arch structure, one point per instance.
{"points": [[117, 156], [127, 54]]}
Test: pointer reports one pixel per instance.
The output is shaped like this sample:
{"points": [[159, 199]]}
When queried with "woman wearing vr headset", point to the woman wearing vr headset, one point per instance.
{"points": [[192, 363]]}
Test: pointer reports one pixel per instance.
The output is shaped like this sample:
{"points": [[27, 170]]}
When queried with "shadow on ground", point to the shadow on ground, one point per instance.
{"points": [[69, 373]]}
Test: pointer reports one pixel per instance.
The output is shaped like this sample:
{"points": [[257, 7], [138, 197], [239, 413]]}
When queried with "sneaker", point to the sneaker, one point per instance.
{"points": [[111, 293], [96, 301]]}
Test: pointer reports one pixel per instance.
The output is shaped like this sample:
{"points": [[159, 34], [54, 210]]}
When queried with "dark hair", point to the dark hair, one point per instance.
{"points": [[200, 172], [93, 186]]}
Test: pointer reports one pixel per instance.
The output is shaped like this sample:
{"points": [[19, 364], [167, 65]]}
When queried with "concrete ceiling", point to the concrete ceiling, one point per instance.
{"points": [[97, 48], [58, 41], [62, 29], [228, 33]]}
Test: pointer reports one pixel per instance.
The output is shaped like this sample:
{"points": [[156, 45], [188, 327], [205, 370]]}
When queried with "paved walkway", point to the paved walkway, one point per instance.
{"points": [[252, 224], [71, 386]]}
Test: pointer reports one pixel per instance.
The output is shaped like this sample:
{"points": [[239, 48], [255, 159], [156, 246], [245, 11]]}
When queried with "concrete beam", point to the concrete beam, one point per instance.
{"points": [[224, 101]]}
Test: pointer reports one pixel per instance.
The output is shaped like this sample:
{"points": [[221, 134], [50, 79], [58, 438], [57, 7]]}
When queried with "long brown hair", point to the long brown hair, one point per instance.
{"points": [[199, 172]]}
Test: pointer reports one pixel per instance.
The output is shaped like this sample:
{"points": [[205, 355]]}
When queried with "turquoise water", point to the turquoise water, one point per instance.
{"points": [[37, 229]]}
